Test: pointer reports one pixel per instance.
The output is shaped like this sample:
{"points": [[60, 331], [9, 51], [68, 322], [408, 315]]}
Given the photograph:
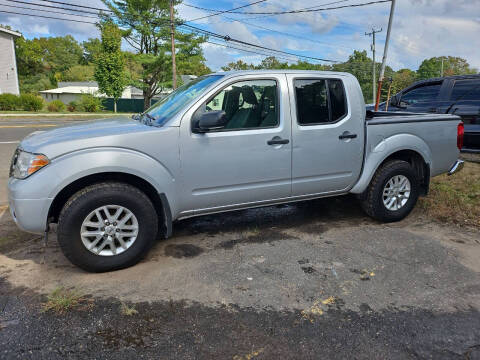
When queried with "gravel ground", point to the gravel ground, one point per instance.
{"points": [[314, 279]]}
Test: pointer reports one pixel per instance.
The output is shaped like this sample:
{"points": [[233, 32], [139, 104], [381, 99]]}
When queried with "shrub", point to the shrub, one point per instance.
{"points": [[9, 102], [56, 106], [90, 103], [31, 102], [72, 106]]}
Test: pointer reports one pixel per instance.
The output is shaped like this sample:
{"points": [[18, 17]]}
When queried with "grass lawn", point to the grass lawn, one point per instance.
{"points": [[456, 198]]}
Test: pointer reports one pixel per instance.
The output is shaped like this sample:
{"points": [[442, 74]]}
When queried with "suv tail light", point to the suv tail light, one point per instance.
{"points": [[460, 132]]}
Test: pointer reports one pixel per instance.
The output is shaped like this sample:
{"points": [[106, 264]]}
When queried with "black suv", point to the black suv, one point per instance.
{"points": [[459, 95]]}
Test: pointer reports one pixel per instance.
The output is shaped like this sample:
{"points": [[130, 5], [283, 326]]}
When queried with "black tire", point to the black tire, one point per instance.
{"points": [[372, 198], [92, 197]]}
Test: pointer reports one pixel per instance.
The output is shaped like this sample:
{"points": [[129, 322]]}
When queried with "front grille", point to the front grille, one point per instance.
{"points": [[14, 161]]}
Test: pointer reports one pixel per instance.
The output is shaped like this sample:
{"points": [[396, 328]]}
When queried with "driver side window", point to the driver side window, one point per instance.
{"points": [[251, 104]]}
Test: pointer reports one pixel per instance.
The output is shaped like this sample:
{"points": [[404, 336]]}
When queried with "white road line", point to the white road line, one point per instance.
{"points": [[9, 142]]}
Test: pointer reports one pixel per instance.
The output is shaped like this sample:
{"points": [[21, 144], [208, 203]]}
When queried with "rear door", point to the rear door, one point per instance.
{"points": [[328, 134], [239, 164]]}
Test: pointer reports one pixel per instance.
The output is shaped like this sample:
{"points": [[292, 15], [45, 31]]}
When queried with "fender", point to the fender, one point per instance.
{"points": [[78, 164], [377, 154]]}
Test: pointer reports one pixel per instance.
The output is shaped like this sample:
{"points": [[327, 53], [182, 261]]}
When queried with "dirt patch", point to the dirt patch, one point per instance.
{"points": [[256, 237], [179, 251], [11, 238]]}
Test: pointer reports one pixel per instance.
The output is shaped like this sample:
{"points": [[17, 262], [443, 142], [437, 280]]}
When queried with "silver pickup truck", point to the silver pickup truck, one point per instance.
{"points": [[223, 142]]}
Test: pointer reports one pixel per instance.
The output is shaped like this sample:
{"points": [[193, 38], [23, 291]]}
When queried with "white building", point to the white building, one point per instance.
{"points": [[72, 91], [8, 63]]}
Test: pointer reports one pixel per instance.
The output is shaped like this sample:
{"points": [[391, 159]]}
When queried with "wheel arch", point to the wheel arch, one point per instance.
{"points": [[418, 163], [417, 159], [159, 200]]}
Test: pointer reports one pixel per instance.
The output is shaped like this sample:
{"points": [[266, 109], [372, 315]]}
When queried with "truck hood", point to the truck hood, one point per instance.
{"points": [[105, 132]]}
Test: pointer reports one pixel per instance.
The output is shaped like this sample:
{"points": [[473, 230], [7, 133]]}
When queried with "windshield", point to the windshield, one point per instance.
{"points": [[170, 105]]}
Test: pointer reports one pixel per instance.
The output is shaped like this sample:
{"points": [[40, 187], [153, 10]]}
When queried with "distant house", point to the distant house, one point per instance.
{"points": [[73, 90], [8, 63]]}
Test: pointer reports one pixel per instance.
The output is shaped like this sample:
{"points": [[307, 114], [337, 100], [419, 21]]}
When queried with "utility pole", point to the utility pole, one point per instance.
{"points": [[172, 34], [372, 34], [385, 51], [441, 71]]}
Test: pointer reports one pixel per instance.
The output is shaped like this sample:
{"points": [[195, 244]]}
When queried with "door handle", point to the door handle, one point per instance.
{"points": [[277, 140], [347, 135]]}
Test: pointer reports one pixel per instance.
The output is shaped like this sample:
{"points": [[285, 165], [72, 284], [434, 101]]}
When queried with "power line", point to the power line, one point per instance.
{"points": [[228, 38], [75, 5], [309, 10], [218, 12], [281, 32], [49, 11], [306, 8], [53, 7], [230, 11], [46, 17]]}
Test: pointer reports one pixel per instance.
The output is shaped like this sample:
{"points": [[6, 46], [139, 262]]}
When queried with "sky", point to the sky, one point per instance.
{"points": [[421, 28]]}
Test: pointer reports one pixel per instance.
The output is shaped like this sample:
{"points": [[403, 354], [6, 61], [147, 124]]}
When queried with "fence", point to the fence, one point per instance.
{"points": [[126, 105]]}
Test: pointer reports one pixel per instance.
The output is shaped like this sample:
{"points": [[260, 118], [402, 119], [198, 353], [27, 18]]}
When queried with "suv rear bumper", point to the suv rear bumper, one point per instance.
{"points": [[456, 167]]}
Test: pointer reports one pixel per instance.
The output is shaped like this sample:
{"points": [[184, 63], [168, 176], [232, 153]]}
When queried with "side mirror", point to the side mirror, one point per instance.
{"points": [[394, 100], [211, 120]]}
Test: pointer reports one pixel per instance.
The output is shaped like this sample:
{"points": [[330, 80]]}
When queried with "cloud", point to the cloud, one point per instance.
{"points": [[421, 29]]}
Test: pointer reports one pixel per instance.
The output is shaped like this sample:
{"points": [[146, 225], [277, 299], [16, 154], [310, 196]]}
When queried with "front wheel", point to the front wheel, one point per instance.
{"points": [[107, 226], [392, 193]]}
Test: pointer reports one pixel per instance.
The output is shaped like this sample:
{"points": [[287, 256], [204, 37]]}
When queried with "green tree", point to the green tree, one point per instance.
{"points": [[91, 48], [402, 79], [145, 24], [431, 68], [59, 53], [238, 65], [79, 73], [271, 62], [41, 62], [109, 70]]}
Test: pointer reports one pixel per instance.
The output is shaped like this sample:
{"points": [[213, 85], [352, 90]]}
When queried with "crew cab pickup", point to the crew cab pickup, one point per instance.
{"points": [[222, 142]]}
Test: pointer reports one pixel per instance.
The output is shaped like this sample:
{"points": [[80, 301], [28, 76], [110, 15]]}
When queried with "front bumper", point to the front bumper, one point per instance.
{"points": [[29, 214], [456, 167]]}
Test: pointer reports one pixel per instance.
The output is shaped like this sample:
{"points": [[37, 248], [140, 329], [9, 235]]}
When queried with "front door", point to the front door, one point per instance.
{"points": [[328, 134], [247, 161]]}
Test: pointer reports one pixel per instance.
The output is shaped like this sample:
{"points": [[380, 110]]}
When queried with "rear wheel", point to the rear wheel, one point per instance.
{"points": [[392, 193], [107, 226]]}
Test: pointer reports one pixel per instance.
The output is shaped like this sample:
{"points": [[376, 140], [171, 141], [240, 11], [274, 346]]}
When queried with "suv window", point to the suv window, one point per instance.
{"points": [[422, 94], [320, 101], [466, 90], [250, 104]]}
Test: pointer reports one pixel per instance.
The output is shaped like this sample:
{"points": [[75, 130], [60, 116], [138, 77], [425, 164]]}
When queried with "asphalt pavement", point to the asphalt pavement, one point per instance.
{"points": [[12, 131], [309, 280]]}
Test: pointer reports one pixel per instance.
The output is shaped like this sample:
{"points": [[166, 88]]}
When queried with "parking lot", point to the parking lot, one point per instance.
{"points": [[307, 280]]}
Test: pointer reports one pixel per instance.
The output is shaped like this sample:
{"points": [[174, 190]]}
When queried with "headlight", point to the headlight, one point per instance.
{"points": [[25, 164]]}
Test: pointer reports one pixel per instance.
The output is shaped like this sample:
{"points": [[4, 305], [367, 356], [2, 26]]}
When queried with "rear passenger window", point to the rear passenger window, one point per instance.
{"points": [[320, 101], [466, 90], [337, 99]]}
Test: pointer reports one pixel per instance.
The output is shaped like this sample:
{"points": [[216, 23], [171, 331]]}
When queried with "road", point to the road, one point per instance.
{"points": [[12, 131], [301, 281]]}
